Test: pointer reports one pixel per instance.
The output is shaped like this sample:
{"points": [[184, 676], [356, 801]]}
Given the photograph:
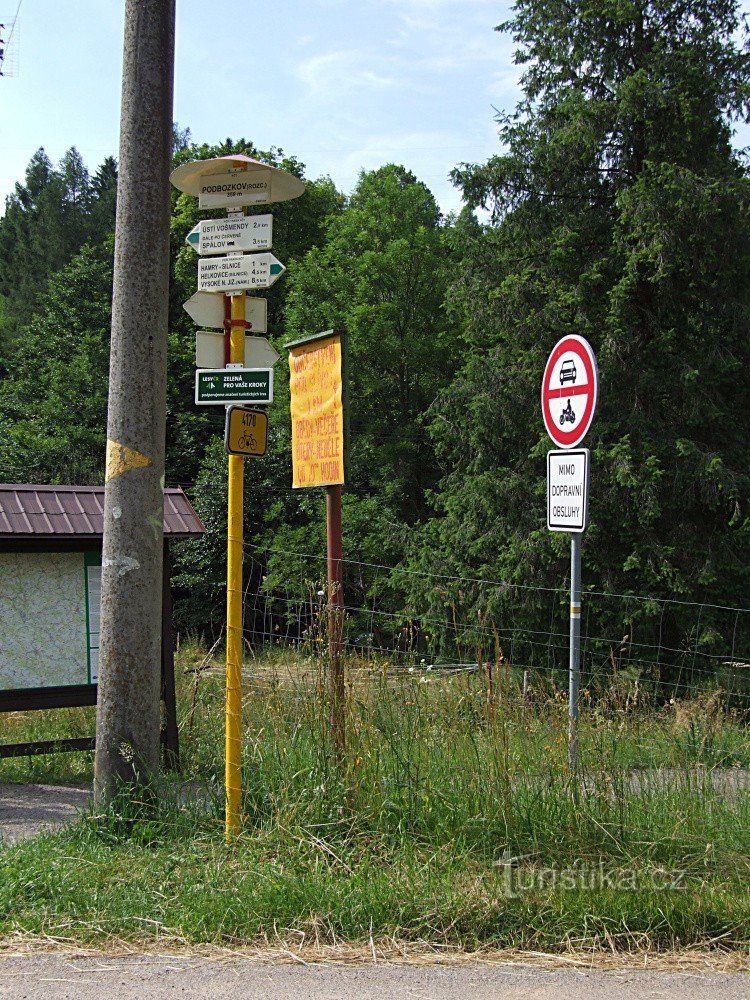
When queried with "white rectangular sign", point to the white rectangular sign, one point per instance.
{"points": [[207, 309], [246, 232], [209, 351], [567, 489], [235, 189], [235, 274]]}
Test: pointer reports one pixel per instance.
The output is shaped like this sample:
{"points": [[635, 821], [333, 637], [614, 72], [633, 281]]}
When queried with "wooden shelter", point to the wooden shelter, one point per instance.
{"points": [[50, 574]]}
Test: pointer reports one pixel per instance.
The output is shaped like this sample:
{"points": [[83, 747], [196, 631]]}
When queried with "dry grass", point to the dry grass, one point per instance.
{"points": [[298, 949]]}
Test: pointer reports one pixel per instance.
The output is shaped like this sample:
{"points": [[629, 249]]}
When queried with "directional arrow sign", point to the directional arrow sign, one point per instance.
{"points": [[209, 351], [259, 353], [247, 232], [235, 274], [207, 309]]}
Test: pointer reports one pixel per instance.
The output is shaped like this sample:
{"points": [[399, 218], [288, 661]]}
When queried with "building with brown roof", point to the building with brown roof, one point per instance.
{"points": [[50, 577]]}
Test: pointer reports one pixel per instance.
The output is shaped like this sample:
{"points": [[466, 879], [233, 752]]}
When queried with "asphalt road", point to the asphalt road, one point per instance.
{"points": [[39, 977], [27, 810]]}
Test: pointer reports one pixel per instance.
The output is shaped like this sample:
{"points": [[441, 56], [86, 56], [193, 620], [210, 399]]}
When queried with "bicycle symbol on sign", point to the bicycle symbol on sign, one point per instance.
{"points": [[247, 442]]}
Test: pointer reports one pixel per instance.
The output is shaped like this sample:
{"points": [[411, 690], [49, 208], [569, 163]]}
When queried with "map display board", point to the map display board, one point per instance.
{"points": [[49, 618]]}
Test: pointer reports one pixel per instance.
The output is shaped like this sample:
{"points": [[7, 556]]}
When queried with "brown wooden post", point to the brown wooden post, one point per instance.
{"points": [[336, 689]]}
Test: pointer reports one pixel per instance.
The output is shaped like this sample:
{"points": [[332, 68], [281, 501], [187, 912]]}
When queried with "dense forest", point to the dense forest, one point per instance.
{"points": [[617, 207]]}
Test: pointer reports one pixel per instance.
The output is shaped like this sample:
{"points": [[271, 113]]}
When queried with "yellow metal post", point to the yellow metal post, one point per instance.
{"points": [[266, 185], [233, 771]]}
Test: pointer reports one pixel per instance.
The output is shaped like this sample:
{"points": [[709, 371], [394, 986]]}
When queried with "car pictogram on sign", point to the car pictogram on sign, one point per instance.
{"points": [[568, 371]]}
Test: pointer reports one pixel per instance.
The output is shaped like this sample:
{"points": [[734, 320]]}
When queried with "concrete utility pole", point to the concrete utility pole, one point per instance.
{"points": [[128, 710]]}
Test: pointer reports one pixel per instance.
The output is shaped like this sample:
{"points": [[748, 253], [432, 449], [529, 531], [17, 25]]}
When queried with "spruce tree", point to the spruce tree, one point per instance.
{"points": [[619, 211]]}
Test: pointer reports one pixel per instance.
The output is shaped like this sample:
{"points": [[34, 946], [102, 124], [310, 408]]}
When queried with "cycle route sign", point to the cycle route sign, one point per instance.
{"points": [[570, 388], [246, 431]]}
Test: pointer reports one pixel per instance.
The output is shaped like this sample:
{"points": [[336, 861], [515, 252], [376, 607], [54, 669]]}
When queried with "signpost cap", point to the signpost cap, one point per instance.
{"points": [[187, 177]]}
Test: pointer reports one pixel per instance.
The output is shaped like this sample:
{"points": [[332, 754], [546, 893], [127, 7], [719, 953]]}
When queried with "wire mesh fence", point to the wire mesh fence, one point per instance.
{"points": [[650, 649]]}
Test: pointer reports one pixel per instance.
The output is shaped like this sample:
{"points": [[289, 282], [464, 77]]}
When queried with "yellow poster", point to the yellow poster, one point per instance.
{"points": [[316, 390]]}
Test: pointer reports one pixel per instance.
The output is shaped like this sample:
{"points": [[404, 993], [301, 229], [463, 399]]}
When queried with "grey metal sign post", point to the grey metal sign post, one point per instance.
{"points": [[575, 649], [567, 510], [569, 395]]}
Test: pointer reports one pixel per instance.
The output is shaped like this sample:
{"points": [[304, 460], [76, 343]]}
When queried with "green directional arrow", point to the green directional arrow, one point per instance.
{"points": [[276, 268], [193, 238]]}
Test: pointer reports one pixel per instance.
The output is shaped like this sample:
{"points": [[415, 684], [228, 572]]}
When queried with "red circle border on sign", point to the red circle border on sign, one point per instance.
{"points": [[583, 350]]}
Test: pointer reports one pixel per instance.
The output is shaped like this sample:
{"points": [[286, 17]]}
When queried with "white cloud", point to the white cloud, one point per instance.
{"points": [[331, 72]]}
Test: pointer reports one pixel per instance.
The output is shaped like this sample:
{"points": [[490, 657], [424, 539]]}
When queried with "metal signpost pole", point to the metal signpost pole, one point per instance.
{"points": [[570, 390], [575, 649], [127, 725], [233, 737]]}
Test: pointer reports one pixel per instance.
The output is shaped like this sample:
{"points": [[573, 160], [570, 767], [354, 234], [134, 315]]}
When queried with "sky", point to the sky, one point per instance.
{"points": [[343, 86]]}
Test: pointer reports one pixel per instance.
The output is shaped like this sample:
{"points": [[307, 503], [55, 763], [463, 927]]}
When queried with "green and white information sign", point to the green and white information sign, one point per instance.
{"points": [[216, 386]]}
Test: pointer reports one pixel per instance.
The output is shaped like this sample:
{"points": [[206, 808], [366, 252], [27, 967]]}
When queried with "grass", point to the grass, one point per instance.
{"points": [[59, 768], [451, 821]]}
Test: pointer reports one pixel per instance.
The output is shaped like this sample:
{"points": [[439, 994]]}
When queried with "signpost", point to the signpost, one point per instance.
{"points": [[207, 309], [242, 232], [209, 351], [235, 180], [570, 389], [237, 274], [232, 182], [246, 432]]}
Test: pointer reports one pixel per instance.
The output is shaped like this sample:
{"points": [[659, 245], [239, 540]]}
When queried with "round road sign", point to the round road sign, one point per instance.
{"points": [[569, 391]]}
